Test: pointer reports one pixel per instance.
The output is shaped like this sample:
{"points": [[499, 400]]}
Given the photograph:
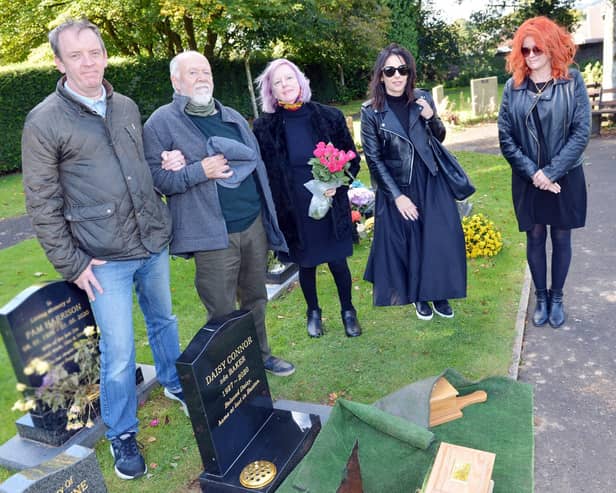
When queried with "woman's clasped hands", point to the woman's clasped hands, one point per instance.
{"points": [[542, 182]]}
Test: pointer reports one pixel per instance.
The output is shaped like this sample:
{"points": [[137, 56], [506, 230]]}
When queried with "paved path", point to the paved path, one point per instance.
{"points": [[478, 138], [14, 230], [573, 369]]}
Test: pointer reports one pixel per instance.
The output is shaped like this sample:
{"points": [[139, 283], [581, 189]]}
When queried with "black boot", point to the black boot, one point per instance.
{"points": [[314, 323], [557, 311], [540, 317], [350, 322]]}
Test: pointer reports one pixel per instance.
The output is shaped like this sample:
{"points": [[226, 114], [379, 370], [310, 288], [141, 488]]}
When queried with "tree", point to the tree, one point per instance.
{"points": [[23, 27], [561, 11], [405, 17], [437, 46], [501, 18], [416, 25], [344, 35]]}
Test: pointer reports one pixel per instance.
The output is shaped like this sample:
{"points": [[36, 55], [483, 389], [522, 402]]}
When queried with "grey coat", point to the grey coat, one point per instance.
{"points": [[198, 222], [88, 189]]}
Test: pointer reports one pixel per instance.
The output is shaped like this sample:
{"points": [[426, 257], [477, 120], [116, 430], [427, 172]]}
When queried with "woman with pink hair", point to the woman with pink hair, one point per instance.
{"points": [[543, 128], [288, 132]]}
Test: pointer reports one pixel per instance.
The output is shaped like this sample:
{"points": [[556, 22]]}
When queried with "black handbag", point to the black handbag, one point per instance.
{"points": [[455, 176]]}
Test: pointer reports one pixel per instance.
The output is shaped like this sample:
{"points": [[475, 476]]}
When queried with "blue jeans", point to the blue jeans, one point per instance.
{"points": [[113, 312]]}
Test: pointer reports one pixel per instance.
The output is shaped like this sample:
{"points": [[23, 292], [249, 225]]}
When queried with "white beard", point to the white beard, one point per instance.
{"points": [[202, 97]]}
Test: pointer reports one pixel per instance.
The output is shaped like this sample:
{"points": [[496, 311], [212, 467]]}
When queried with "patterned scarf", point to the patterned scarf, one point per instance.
{"points": [[296, 105]]}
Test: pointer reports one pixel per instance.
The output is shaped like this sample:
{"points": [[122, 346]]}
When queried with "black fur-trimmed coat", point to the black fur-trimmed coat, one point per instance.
{"points": [[330, 126]]}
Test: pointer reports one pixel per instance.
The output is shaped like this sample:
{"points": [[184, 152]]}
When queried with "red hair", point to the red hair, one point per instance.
{"points": [[554, 40]]}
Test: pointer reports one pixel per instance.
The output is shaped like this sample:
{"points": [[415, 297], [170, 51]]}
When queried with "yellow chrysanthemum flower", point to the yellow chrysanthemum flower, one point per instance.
{"points": [[481, 236]]}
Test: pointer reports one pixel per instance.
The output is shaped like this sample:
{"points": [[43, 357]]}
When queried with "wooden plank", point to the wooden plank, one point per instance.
{"points": [[451, 408], [605, 111], [594, 94]]}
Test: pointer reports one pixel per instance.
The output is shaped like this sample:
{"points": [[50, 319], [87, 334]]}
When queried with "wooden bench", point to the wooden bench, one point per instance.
{"points": [[603, 105]]}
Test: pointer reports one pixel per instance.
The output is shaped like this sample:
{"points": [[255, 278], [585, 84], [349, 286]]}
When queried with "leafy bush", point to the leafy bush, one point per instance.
{"points": [[593, 72], [147, 82]]}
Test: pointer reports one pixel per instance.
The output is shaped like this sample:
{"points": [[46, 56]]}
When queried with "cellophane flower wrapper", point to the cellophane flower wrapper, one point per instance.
{"points": [[329, 170], [319, 203]]}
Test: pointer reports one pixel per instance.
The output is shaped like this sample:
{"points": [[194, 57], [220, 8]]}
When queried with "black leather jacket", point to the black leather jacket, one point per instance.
{"points": [[564, 112], [390, 154]]}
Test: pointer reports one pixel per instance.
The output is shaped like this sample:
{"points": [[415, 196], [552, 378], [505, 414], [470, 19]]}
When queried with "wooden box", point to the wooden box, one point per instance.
{"points": [[459, 469]]}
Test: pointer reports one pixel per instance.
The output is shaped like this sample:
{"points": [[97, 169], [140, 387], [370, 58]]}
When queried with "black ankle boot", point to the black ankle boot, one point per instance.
{"points": [[350, 322], [540, 317], [557, 311], [314, 323]]}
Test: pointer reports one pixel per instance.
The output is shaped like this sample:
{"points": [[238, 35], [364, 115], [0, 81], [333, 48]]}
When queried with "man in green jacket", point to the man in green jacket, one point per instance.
{"points": [[93, 206]]}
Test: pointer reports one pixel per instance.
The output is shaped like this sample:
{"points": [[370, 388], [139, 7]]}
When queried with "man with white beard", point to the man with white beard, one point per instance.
{"points": [[217, 191]]}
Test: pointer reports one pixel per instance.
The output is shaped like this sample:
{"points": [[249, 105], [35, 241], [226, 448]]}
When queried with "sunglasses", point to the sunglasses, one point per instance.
{"points": [[389, 71], [527, 51]]}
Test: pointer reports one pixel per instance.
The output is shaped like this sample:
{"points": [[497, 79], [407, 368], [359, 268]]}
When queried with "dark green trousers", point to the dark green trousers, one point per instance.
{"points": [[236, 276]]}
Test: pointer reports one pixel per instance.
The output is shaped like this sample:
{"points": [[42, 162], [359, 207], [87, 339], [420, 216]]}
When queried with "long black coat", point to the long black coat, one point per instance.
{"points": [[330, 126]]}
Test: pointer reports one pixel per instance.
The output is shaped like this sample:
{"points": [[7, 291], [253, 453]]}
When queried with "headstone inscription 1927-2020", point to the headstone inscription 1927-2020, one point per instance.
{"points": [[245, 443], [43, 323]]}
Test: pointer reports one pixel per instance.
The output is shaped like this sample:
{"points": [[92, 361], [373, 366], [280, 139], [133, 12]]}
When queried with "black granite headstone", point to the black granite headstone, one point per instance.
{"points": [[281, 273], [231, 410], [44, 322], [76, 470]]}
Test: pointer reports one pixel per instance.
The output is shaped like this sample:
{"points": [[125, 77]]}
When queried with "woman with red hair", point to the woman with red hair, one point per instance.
{"points": [[543, 128]]}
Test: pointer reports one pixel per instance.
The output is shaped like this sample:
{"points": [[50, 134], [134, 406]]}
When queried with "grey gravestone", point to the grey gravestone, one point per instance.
{"points": [[231, 409], [438, 94], [484, 95], [74, 471]]}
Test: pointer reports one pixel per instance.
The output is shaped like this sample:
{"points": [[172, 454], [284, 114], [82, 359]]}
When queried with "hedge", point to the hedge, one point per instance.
{"points": [[147, 82]]}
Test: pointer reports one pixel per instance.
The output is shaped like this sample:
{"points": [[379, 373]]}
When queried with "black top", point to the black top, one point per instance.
{"points": [[400, 106], [240, 206], [320, 242], [534, 87], [328, 125]]}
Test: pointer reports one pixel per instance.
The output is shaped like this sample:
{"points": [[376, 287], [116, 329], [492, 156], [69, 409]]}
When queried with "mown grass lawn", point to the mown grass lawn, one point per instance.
{"points": [[11, 196], [395, 349]]}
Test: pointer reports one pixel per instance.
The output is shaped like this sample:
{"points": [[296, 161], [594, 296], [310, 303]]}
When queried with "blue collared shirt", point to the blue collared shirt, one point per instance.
{"points": [[99, 106]]}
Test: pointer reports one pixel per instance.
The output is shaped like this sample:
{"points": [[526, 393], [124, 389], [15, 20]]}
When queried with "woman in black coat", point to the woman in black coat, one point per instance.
{"points": [[288, 132], [544, 127], [418, 252]]}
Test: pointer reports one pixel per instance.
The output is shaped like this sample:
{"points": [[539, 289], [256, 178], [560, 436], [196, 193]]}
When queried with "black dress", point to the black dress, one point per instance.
{"points": [[422, 260], [320, 244], [564, 210]]}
